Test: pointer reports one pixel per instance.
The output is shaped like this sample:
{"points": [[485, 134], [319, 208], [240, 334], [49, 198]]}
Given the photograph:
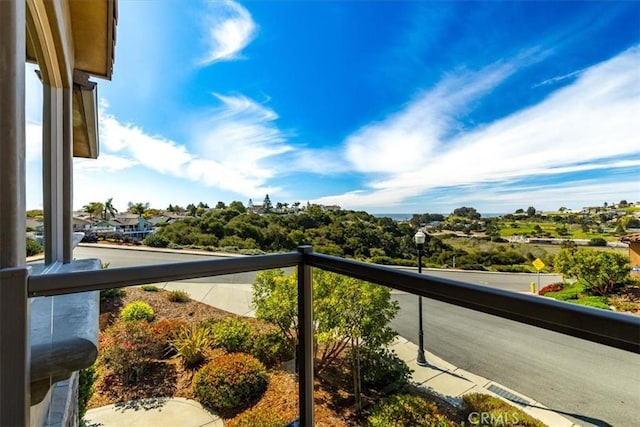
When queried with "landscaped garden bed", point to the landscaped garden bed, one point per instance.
{"points": [[156, 345]]}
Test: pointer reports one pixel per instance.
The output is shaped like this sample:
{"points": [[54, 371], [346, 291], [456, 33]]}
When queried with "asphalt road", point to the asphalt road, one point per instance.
{"points": [[589, 383]]}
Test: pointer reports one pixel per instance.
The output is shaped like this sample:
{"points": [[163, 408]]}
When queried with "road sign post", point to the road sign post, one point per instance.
{"points": [[538, 265]]}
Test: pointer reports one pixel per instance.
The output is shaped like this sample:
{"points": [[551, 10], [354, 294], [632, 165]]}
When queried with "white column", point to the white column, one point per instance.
{"points": [[57, 177]]}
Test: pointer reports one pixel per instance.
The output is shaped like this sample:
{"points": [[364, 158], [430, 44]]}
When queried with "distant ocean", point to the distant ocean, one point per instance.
{"points": [[407, 216]]}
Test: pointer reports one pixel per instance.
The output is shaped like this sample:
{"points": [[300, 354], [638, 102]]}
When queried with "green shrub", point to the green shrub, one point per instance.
{"points": [[258, 417], [382, 369], [86, 378], [174, 246], [232, 334], [271, 347], [496, 410], [128, 348], [137, 310], [570, 292], [235, 335], [191, 343], [597, 241], [401, 410], [230, 383], [33, 247], [156, 241], [593, 301], [517, 268], [149, 288], [106, 294], [178, 296]]}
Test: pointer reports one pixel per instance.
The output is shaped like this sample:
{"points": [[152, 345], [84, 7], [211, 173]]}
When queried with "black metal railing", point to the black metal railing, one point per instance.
{"points": [[609, 328]]}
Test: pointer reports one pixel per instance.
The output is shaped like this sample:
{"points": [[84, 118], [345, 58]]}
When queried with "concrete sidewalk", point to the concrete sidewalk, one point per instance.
{"points": [[441, 378]]}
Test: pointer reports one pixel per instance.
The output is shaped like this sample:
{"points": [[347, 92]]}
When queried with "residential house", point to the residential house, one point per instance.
{"points": [[81, 224], [634, 252]]}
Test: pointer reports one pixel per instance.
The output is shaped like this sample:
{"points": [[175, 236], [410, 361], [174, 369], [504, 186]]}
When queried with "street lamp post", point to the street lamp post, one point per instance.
{"points": [[420, 359]]}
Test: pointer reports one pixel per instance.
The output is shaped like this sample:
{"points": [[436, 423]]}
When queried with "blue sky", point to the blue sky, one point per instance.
{"points": [[372, 105]]}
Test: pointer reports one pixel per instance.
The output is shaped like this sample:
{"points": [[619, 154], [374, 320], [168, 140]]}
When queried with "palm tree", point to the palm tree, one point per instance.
{"points": [[108, 209], [138, 208], [93, 208]]}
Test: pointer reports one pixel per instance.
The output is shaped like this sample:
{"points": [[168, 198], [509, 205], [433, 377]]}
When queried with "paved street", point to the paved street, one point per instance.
{"points": [[590, 383]]}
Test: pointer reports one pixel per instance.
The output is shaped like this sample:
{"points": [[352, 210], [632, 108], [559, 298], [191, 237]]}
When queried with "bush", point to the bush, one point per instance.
{"points": [[178, 296], [258, 417], [402, 410], [33, 247], [232, 334], [86, 378], [137, 310], [499, 411], [271, 347], [518, 268], [164, 332], [554, 287], [593, 301], [597, 241], [106, 294], [235, 335], [383, 370], [191, 343], [128, 348], [156, 241], [149, 288], [174, 246], [230, 383]]}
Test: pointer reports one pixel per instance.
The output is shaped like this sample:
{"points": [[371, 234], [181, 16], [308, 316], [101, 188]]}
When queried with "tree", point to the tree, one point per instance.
{"points": [[220, 205], [237, 206], [466, 212], [108, 209], [348, 314], [93, 209], [138, 208], [266, 204], [531, 211], [623, 204], [602, 272]]}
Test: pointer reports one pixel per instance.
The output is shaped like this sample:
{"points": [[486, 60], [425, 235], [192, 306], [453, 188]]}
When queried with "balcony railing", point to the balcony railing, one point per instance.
{"points": [[608, 328]]}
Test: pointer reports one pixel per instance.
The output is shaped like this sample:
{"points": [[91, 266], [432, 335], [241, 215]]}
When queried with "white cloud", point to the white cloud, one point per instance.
{"points": [[579, 127], [230, 28], [403, 140], [233, 148]]}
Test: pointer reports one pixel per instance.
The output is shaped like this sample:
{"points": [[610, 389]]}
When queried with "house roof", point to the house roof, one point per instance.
{"points": [[631, 238]]}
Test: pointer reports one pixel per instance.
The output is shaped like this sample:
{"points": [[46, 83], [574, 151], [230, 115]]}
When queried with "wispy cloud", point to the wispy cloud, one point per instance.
{"points": [[558, 79], [230, 29], [403, 140], [580, 126], [231, 148]]}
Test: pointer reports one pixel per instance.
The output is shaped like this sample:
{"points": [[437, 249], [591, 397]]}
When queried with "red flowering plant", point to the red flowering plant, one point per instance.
{"points": [[128, 348]]}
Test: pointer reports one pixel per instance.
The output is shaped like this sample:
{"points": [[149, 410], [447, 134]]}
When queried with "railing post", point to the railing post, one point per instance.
{"points": [[14, 307], [305, 340], [15, 396]]}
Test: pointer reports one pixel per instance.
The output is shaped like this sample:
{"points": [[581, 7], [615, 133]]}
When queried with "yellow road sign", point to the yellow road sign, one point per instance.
{"points": [[538, 264]]}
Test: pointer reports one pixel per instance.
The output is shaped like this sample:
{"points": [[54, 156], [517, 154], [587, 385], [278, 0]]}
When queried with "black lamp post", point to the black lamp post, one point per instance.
{"points": [[420, 359]]}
